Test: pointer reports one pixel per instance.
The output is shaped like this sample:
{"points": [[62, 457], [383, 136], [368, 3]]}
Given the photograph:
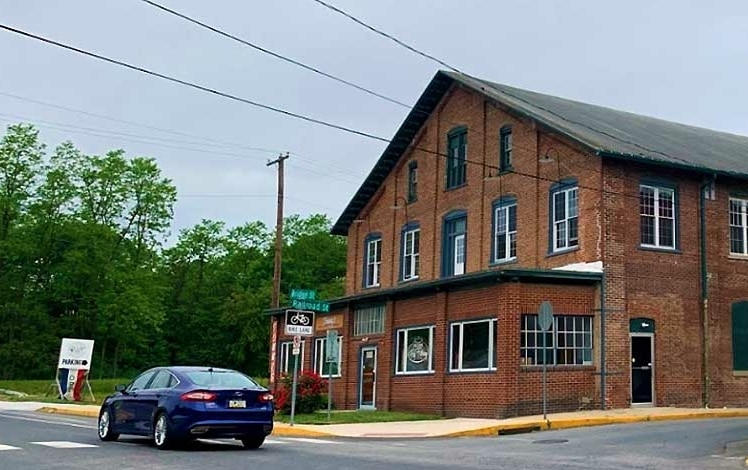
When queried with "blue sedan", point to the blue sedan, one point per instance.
{"points": [[176, 404]]}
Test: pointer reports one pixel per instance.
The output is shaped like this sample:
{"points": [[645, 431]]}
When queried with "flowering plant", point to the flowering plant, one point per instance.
{"points": [[309, 393]]}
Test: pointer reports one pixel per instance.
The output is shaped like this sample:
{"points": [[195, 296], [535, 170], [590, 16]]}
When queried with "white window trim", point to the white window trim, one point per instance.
{"points": [[457, 267], [743, 203], [491, 345], [657, 218], [398, 354], [319, 356], [286, 357], [555, 221], [509, 233], [376, 244], [413, 274]]}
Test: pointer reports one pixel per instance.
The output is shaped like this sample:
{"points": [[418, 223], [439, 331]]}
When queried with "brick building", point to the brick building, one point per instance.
{"points": [[490, 200]]}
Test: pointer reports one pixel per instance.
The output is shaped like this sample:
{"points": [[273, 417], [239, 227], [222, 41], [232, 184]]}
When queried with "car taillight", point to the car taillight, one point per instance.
{"points": [[198, 396], [266, 397]]}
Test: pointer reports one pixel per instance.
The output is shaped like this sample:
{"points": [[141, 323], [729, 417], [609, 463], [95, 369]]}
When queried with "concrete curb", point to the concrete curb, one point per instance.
{"points": [[279, 429], [69, 411], [568, 423], [285, 430]]}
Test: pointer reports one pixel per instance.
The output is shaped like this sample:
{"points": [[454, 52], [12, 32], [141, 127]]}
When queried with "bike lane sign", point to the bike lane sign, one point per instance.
{"points": [[300, 322]]}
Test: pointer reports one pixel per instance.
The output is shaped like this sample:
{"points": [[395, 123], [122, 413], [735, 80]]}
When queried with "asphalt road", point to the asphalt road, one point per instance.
{"points": [[31, 440]]}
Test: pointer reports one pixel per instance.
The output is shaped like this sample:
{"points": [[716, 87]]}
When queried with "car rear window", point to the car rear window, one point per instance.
{"points": [[205, 378]]}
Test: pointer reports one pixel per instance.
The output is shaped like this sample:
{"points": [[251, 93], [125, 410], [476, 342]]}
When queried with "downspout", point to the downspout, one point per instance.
{"points": [[705, 390], [603, 366]]}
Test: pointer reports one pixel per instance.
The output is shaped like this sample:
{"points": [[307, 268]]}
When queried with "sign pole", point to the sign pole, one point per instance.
{"points": [[545, 380], [293, 387], [545, 322], [329, 390]]}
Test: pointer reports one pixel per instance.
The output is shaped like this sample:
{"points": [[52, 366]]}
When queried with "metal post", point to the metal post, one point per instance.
{"points": [[293, 387], [329, 389], [545, 391]]}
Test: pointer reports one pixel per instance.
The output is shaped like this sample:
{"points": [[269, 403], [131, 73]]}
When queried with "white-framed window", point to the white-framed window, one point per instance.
{"points": [[368, 320], [505, 232], [321, 366], [472, 345], [657, 213], [453, 244], [459, 250], [568, 342], [738, 226], [286, 357], [373, 262], [564, 218], [411, 254], [415, 350]]}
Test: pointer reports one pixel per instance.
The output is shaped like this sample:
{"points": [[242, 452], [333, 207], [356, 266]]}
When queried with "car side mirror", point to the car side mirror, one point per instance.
{"points": [[120, 388]]}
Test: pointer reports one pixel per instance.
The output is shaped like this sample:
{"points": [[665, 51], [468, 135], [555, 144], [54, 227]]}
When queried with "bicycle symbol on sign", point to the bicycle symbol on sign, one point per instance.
{"points": [[299, 319]]}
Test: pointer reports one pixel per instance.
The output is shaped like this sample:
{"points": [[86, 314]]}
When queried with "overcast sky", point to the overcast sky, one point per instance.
{"points": [[684, 61]]}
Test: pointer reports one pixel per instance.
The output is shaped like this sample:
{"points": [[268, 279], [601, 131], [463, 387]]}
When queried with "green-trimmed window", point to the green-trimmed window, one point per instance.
{"points": [[505, 148], [740, 336], [456, 157]]}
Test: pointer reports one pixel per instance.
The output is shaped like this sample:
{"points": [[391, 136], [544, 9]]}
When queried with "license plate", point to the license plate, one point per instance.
{"points": [[237, 403]]}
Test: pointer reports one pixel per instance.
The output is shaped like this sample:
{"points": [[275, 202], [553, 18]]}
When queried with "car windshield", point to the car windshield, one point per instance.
{"points": [[227, 379]]}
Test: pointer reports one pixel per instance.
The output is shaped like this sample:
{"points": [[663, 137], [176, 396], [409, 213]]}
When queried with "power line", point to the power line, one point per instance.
{"points": [[441, 62], [274, 109], [193, 85], [388, 36], [275, 54], [224, 143]]}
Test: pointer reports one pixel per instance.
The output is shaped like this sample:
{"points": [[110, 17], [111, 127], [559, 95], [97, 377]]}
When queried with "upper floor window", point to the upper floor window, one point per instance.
{"points": [[456, 157], [740, 336], [505, 230], [454, 249], [738, 226], [410, 260], [505, 148], [569, 342], [412, 181], [373, 260], [657, 212], [368, 320], [564, 216]]}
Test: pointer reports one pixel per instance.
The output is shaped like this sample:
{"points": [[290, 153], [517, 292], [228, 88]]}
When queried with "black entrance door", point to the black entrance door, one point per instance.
{"points": [[641, 369]]}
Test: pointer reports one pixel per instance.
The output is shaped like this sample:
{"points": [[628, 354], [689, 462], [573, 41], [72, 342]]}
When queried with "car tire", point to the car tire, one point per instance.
{"points": [[253, 442], [104, 426], [162, 432]]}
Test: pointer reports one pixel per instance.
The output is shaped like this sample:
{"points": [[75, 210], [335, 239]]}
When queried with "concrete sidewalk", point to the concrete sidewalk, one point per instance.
{"points": [[455, 427]]}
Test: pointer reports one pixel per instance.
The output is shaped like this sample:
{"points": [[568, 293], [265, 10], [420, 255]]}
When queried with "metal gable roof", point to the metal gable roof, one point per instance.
{"points": [[608, 132]]}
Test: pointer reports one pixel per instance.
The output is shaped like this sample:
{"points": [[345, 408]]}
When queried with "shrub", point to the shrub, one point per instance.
{"points": [[309, 393]]}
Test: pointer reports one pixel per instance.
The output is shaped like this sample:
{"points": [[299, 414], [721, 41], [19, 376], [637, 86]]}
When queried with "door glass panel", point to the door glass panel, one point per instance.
{"points": [[140, 382], [161, 380], [641, 369], [368, 376]]}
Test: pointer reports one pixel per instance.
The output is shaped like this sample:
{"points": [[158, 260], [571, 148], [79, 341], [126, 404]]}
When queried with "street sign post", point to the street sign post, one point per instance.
{"points": [[298, 323], [332, 354], [545, 322]]}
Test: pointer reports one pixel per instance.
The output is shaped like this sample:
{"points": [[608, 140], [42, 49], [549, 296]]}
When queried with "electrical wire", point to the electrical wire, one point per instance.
{"points": [[274, 54]]}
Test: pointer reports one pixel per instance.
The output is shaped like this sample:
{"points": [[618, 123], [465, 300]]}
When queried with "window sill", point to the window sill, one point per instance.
{"points": [[452, 188], [737, 257], [472, 371], [557, 368], [374, 286], [411, 374], [406, 281], [504, 262], [562, 252], [673, 251], [740, 373]]}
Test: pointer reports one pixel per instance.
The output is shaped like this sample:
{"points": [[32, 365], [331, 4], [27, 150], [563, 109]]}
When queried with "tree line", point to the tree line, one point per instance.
{"points": [[82, 255]]}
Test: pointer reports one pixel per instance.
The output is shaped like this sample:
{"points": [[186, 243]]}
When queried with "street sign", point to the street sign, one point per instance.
{"points": [[316, 305], [545, 316], [299, 322], [303, 294], [331, 353], [296, 345]]}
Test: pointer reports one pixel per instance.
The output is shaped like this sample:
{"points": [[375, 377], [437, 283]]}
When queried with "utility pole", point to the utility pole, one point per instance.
{"points": [[275, 303]]}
